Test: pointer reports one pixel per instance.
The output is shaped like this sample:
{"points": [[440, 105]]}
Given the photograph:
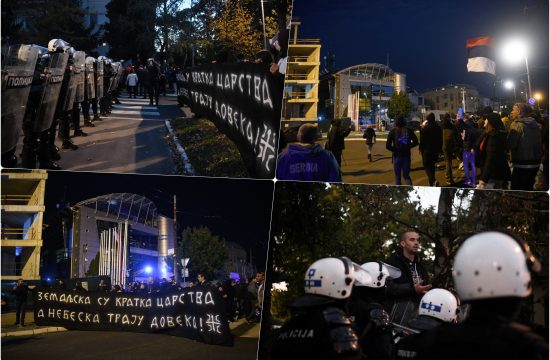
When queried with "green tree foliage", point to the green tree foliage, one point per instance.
{"points": [[93, 269], [399, 105], [46, 20], [311, 221], [207, 252], [131, 31]]}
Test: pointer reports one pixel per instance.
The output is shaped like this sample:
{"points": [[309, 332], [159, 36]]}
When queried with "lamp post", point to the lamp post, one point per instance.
{"points": [[509, 84], [515, 51], [263, 24]]}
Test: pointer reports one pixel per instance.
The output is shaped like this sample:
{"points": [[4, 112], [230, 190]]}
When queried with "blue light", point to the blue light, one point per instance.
{"points": [[148, 269]]}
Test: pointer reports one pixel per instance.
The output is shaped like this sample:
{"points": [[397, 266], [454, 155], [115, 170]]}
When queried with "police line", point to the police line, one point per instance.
{"points": [[196, 313], [244, 102]]}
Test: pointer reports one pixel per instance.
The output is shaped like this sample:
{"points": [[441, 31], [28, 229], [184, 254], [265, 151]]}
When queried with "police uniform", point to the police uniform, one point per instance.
{"points": [[319, 333]]}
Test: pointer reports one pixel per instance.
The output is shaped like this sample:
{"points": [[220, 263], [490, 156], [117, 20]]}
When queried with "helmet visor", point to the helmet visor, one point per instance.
{"points": [[392, 270], [362, 276]]}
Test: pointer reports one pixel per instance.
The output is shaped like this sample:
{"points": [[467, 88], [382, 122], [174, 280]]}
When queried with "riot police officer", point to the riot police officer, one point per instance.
{"points": [[437, 307], [323, 330], [105, 100], [18, 64], [39, 115], [492, 272], [66, 98], [369, 316]]}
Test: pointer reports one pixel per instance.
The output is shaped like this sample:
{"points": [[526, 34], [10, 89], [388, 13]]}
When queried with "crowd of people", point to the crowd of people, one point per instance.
{"points": [[499, 151], [352, 311]]}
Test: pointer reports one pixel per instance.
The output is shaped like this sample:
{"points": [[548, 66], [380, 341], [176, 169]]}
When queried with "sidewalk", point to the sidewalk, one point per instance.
{"points": [[9, 329]]}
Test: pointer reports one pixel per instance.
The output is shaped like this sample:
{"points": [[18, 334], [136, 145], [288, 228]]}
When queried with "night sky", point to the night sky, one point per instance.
{"points": [[426, 39], [237, 210]]}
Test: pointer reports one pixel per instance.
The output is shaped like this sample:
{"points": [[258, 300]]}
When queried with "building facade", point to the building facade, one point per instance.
{"points": [[121, 235], [360, 92], [451, 97], [22, 205], [302, 79]]}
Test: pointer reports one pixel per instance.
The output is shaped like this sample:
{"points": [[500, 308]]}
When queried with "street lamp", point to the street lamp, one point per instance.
{"points": [[509, 84], [515, 51], [538, 98]]}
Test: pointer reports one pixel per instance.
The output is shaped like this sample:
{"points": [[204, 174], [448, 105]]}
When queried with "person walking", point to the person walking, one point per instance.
{"points": [[370, 136], [400, 141], [431, 142], [132, 82]]}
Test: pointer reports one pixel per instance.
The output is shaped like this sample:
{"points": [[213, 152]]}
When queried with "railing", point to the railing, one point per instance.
{"points": [[15, 199], [296, 95], [296, 59], [304, 41], [17, 233], [296, 77]]}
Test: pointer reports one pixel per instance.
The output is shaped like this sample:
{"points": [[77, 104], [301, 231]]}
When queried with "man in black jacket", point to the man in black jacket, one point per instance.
{"points": [[412, 284], [20, 291], [431, 142]]}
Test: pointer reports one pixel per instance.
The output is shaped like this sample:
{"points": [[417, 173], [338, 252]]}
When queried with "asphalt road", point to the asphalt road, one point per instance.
{"points": [[356, 167], [130, 140], [109, 345]]}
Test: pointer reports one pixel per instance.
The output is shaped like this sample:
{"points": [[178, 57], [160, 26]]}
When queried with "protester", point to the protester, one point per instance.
{"points": [[494, 165], [370, 139], [431, 142], [400, 141], [413, 282], [450, 146], [306, 160], [335, 139], [470, 151], [20, 290], [132, 81], [525, 144]]}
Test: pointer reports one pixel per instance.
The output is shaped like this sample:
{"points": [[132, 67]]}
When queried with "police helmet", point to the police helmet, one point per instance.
{"points": [[58, 45], [493, 264], [90, 60], [379, 273], [334, 277], [440, 304]]}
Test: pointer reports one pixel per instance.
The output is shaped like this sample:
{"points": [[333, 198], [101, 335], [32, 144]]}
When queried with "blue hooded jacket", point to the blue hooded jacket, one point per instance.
{"points": [[307, 163]]}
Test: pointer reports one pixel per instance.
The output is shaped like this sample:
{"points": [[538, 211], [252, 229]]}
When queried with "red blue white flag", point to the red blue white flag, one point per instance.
{"points": [[481, 55]]}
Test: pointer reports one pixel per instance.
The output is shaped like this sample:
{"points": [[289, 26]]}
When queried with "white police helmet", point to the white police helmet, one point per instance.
{"points": [[379, 272], [440, 304], [58, 44], [90, 60], [493, 264], [334, 277]]}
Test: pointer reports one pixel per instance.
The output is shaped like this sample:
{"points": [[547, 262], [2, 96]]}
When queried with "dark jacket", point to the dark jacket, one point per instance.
{"points": [[370, 135], [451, 139], [431, 138], [402, 288], [401, 145], [483, 337], [336, 137], [471, 135], [525, 142], [20, 291], [494, 165], [307, 163]]}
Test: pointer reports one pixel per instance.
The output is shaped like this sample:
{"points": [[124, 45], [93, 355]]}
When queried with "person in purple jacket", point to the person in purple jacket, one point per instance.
{"points": [[306, 160]]}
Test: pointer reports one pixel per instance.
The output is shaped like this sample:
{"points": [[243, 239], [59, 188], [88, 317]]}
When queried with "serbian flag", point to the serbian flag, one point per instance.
{"points": [[481, 55]]}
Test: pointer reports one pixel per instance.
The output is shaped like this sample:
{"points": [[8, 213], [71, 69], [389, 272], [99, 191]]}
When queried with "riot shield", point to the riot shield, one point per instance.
{"points": [[79, 71], [90, 78], [68, 96], [100, 72], [53, 76], [118, 77], [403, 312], [18, 63]]}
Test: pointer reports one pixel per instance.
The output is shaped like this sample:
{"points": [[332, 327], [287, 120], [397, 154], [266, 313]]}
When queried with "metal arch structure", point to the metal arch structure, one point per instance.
{"points": [[124, 207], [371, 71]]}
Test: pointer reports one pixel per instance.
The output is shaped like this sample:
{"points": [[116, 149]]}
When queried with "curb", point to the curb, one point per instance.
{"points": [[183, 155], [39, 331]]}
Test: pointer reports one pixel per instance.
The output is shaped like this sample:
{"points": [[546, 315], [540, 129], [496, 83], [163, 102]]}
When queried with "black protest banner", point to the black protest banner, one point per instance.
{"points": [[196, 313], [243, 100]]}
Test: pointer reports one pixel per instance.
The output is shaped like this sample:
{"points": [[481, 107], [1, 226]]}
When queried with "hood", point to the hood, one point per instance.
{"points": [[398, 254], [305, 150], [529, 122]]}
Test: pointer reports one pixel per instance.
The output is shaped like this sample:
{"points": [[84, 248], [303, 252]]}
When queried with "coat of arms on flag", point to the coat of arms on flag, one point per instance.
{"points": [[481, 55]]}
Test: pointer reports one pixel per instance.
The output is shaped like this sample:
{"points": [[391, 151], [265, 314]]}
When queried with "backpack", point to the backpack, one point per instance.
{"points": [[401, 142]]}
